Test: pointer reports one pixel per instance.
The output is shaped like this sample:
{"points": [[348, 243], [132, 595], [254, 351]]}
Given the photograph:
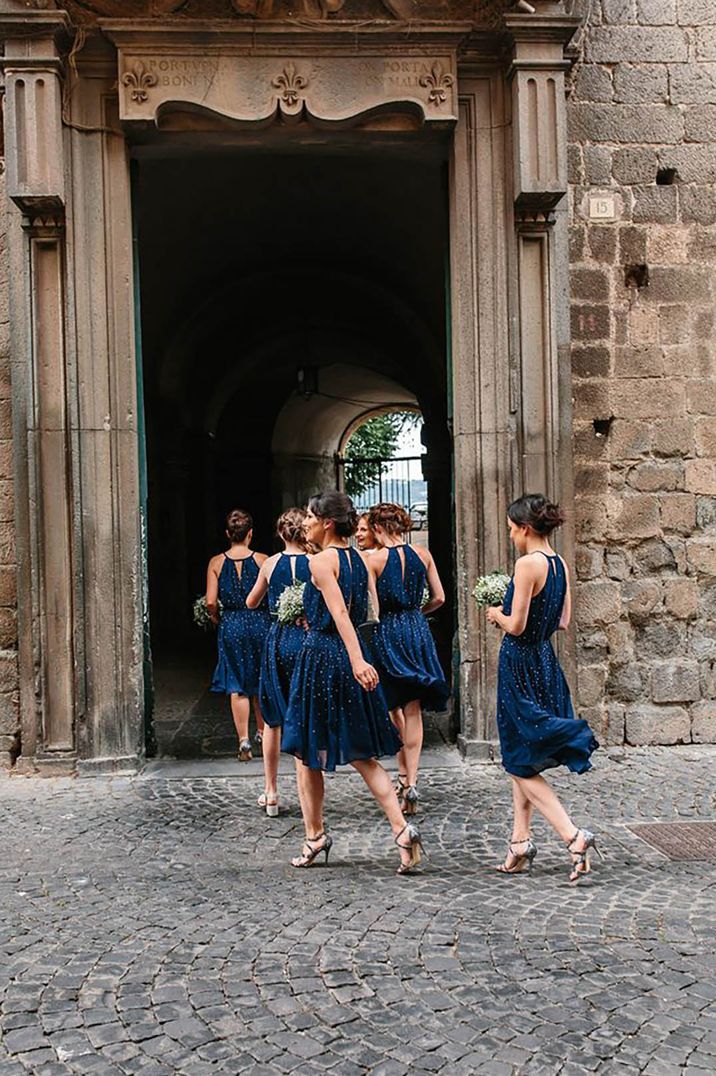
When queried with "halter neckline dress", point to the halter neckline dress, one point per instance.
{"points": [[242, 632], [284, 642], [405, 650], [535, 718], [331, 720]]}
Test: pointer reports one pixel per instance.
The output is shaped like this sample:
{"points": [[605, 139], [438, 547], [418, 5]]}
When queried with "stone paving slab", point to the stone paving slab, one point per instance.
{"points": [[153, 925]]}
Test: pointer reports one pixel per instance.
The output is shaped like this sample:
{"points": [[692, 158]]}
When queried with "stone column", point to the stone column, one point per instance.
{"points": [[539, 300], [44, 485], [483, 427]]}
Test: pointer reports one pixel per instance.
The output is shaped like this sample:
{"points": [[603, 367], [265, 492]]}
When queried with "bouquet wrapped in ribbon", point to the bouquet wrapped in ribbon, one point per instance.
{"points": [[289, 607], [490, 589], [201, 613]]}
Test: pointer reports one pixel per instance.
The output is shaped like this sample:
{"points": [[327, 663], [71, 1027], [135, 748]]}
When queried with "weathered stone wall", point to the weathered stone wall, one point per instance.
{"points": [[643, 105], [9, 734]]}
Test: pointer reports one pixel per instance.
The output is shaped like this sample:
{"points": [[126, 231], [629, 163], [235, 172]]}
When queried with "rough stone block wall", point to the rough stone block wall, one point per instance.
{"points": [[9, 708], [642, 121]]}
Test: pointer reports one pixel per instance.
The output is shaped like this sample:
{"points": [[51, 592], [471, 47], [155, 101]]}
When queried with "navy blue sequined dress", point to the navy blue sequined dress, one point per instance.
{"points": [[535, 719], [331, 720], [284, 643], [242, 632], [404, 648]]}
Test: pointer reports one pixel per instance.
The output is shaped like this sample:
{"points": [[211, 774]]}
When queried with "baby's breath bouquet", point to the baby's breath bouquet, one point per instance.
{"points": [[490, 589], [201, 613], [289, 607]]}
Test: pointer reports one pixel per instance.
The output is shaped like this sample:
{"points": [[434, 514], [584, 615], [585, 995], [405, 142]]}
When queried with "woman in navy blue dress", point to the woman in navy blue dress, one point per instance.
{"points": [[283, 644], [337, 713], [535, 719], [410, 672], [242, 632]]}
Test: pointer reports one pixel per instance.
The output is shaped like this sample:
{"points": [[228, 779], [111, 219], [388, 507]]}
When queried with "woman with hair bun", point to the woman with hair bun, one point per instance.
{"points": [[336, 712], [409, 668], [535, 719], [283, 644], [242, 632]]}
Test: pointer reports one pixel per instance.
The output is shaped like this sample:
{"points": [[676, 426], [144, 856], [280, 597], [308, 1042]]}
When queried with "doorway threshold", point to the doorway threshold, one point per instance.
{"points": [[446, 757]]}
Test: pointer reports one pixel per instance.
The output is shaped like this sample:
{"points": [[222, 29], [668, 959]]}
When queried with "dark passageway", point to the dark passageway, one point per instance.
{"points": [[282, 296]]}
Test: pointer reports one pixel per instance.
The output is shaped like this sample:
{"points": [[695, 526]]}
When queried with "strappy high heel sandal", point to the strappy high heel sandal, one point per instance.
{"points": [[581, 866], [414, 846], [522, 860], [401, 786], [245, 751], [269, 804], [410, 801], [307, 859]]}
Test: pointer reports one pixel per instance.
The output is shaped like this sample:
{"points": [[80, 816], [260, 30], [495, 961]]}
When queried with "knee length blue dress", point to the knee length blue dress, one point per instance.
{"points": [[535, 719], [331, 720], [405, 651], [242, 632], [284, 642]]}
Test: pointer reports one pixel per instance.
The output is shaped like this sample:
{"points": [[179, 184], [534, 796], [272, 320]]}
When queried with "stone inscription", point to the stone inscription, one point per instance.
{"points": [[255, 88]]}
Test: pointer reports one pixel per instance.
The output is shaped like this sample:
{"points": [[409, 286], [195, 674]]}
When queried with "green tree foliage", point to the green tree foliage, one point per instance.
{"points": [[376, 439]]}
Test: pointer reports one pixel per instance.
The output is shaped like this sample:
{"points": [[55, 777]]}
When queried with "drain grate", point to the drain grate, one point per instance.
{"points": [[680, 840]]}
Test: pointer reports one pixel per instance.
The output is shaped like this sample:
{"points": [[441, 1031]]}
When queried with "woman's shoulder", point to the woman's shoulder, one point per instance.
{"points": [[217, 561], [530, 564], [422, 553], [260, 558]]}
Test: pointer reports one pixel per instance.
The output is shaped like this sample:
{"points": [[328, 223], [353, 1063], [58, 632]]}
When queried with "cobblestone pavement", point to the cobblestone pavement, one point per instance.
{"points": [[153, 925]]}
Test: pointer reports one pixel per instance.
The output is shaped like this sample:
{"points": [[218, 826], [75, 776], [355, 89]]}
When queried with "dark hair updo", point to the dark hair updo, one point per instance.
{"points": [[391, 517], [289, 526], [336, 506], [535, 511], [238, 524]]}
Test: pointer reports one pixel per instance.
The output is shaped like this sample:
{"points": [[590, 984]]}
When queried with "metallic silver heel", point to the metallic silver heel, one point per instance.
{"points": [[411, 797], [581, 865], [414, 845], [307, 859], [245, 751], [400, 789], [522, 859]]}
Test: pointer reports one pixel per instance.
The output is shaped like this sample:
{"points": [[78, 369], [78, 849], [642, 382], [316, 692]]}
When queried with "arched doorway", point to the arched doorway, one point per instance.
{"points": [[301, 291]]}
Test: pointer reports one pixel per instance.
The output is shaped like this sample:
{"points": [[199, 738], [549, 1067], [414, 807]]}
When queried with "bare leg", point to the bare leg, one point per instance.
{"points": [[522, 821], [271, 754], [260, 723], [413, 739], [381, 787], [311, 795], [544, 799], [523, 810], [398, 718], [240, 713]]}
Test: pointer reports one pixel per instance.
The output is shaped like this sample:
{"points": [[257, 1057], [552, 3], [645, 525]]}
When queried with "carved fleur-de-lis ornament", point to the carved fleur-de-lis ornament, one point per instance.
{"points": [[139, 81], [438, 82], [290, 84]]}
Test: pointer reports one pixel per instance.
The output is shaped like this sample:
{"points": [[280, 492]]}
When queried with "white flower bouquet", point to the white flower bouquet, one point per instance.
{"points": [[490, 589], [201, 613], [425, 597], [289, 607]]}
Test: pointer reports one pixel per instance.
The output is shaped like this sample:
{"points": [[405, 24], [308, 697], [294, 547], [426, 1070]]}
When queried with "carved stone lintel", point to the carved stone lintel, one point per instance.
{"points": [[290, 85], [533, 220], [44, 225]]}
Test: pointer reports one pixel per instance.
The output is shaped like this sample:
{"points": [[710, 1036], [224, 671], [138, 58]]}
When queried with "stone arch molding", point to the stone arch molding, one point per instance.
{"points": [[256, 90]]}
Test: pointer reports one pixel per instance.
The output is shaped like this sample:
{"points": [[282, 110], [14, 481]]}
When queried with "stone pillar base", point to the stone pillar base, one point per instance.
{"points": [[478, 750], [100, 767]]}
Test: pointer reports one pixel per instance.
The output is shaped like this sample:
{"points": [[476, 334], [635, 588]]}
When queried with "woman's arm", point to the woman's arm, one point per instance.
{"points": [[437, 593], [212, 591], [528, 574], [257, 594], [323, 570], [567, 607], [372, 569]]}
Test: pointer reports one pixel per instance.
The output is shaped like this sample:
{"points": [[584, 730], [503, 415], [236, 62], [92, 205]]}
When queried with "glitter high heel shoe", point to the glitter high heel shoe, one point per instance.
{"points": [[581, 865], [522, 860]]}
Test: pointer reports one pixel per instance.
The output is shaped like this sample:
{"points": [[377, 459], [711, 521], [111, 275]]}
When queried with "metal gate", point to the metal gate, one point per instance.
{"points": [[369, 481]]}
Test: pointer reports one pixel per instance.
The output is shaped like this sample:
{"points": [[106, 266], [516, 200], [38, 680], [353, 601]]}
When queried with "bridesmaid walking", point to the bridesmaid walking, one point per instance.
{"points": [[365, 535], [336, 712], [407, 660], [283, 645], [242, 633], [535, 719]]}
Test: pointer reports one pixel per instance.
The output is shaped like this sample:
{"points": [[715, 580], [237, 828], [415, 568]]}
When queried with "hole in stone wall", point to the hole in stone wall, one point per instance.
{"points": [[636, 276], [602, 426], [666, 176]]}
